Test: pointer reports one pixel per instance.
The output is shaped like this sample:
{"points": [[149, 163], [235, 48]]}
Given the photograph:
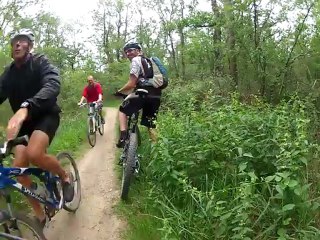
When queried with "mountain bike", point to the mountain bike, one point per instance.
{"points": [[46, 188], [129, 158], [94, 122]]}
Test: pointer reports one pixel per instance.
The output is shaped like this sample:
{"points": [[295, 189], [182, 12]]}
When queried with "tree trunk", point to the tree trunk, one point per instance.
{"points": [[217, 62], [182, 57], [231, 41]]}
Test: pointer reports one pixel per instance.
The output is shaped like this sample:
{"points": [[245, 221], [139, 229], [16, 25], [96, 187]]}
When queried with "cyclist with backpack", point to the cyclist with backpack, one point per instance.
{"points": [[145, 73], [32, 84]]}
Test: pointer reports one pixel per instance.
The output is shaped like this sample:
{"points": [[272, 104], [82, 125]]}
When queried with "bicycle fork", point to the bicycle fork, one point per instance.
{"points": [[123, 159], [93, 120]]}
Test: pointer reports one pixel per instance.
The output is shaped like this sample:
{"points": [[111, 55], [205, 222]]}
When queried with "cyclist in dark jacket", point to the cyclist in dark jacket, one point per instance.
{"points": [[32, 84]]}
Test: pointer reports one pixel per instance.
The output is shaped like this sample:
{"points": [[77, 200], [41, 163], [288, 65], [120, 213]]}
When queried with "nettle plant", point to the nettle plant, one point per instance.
{"points": [[235, 171]]}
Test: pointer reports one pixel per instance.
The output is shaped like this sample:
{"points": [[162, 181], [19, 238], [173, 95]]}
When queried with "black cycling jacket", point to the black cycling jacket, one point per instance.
{"points": [[37, 82]]}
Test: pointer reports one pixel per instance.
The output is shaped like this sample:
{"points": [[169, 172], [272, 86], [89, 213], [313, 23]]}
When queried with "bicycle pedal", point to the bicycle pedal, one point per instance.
{"points": [[50, 212]]}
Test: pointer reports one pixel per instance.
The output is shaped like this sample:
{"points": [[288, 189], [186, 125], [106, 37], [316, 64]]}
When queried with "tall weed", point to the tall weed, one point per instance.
{"points": [[232, 171]]}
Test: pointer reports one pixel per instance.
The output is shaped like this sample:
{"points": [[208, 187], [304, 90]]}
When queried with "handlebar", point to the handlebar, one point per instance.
{"points": [[119, 94], [141, 92], [84, 104], [6, 147]]}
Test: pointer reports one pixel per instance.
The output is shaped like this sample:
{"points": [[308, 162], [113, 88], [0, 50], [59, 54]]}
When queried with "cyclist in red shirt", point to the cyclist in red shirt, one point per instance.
{"points": [[93, 93]]}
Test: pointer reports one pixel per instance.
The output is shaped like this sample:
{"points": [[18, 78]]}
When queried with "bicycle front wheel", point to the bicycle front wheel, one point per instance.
{"points": [[69, 164], [100, 126], [91, 134], [20, 227], [129, 165]]}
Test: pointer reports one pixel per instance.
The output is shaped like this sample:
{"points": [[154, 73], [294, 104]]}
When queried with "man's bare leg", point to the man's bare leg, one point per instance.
{"points": [[122, 121], [36, 154], [123, 129]]}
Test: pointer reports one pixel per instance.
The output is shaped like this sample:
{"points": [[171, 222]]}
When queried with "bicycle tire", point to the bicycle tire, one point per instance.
{"points": [[21, 218], [90, 133], [75, 203], [100, 127], [129, 166], [138, 136]]}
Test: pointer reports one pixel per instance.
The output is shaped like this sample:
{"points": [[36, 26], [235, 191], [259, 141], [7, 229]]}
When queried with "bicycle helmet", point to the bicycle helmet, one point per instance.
{"points": [[132, 45], [24, 32]]}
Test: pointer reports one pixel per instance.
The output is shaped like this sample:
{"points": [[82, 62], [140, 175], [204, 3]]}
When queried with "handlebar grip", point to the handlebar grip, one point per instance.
{"points": [[119, 94], [19, 140]]}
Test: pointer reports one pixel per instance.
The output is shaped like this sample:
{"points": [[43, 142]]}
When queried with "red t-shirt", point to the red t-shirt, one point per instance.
{"points": [[91, 93]]}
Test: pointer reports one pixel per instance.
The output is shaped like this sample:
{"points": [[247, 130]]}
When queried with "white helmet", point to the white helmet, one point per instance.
{"points": [[24, 32]]}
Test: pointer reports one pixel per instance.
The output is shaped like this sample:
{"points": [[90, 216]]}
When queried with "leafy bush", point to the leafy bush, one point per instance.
{"points": [[232, 171]]}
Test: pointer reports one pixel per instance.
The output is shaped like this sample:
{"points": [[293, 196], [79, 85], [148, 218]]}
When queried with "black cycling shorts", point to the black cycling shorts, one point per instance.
{"points": [[149, 105], [48, 124]]}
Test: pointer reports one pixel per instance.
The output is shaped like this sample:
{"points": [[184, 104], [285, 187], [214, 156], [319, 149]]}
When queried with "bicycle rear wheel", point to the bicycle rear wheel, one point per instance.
{"points": [[68, 163], [129, 165], [91, 134], [20, 227]]}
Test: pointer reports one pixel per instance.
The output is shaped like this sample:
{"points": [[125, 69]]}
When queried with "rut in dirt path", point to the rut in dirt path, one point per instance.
{"points": [[95, 218]]}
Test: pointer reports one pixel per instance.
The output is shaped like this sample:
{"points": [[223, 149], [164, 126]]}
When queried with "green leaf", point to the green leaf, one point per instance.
{"points": [[288, 207], [279, 189], [315, 206], [287, 221], [283, 174], [297, 191], [270, 178], [278, 179], [242, 166], [292, 183], [225, 216], [240, 151], [281, 232], [304, 160], [248, 155]]}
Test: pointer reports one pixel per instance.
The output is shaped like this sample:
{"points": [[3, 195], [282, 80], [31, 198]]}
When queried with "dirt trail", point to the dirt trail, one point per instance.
{"points": [[95, 219]]}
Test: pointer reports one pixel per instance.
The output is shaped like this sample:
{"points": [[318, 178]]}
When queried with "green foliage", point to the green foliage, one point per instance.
{"points": [[226, 170]]}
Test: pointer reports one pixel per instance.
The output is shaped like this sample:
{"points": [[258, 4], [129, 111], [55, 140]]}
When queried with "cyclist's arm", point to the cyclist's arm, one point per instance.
{"points": [[100, 97], [82, 99], [99, 89], [130, 84], [3, 92], [50, 88], [135, 71], [84, 95]]}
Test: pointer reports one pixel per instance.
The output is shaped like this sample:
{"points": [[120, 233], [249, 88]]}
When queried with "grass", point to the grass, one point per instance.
{"points": [[112, 102], [70, 135], [141, 226]]}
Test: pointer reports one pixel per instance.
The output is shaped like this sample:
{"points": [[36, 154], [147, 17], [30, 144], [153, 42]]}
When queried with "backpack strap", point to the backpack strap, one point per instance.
{"points": [[143, 66]]}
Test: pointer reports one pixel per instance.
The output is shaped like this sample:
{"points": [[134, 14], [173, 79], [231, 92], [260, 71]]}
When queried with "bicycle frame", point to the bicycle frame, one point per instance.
{"points": [[6, 181], [93, 114], [133, 122], [8, 236]]}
